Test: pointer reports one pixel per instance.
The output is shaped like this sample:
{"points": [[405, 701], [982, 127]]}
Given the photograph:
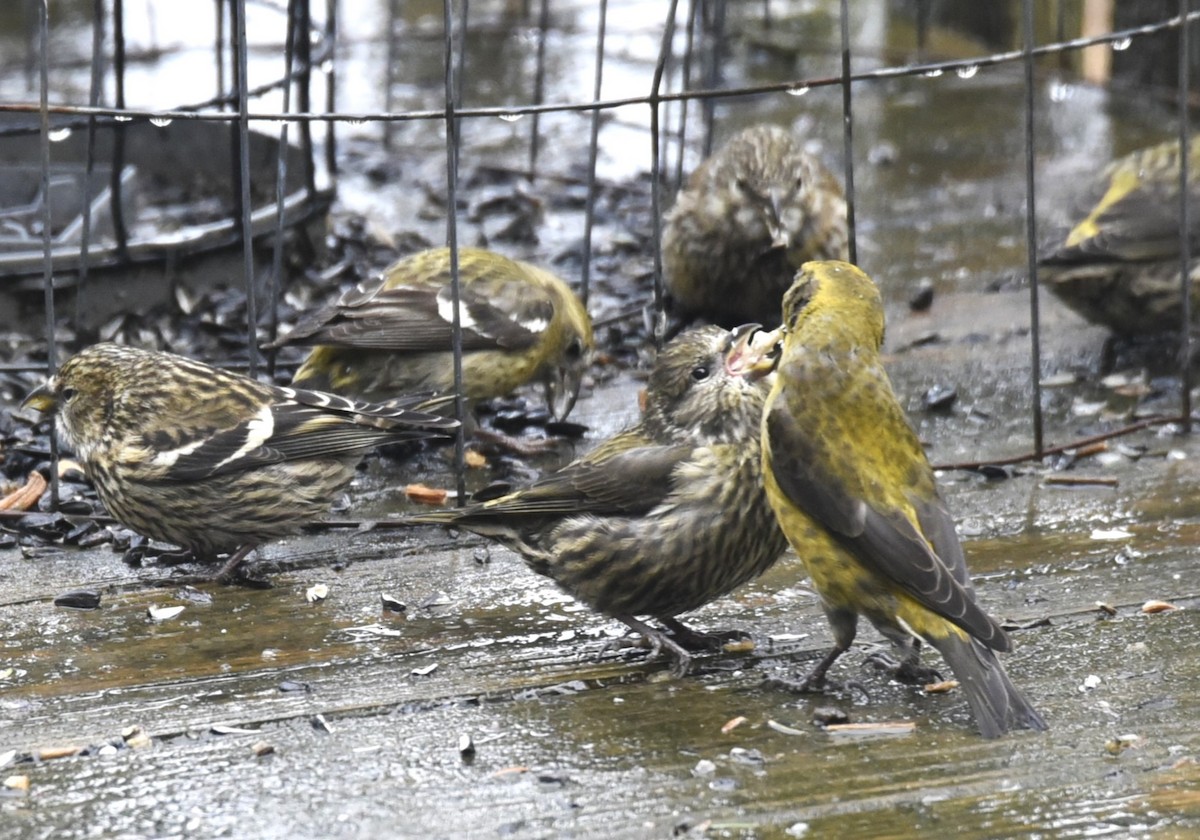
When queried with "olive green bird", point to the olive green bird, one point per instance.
{"points": [[393, 334], [1119, 266], [665, 516], [749, 216], [854, 493], [213, 461]]}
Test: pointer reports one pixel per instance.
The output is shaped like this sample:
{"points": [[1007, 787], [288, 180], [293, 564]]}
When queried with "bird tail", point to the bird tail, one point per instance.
{"points": [[995, 702]]}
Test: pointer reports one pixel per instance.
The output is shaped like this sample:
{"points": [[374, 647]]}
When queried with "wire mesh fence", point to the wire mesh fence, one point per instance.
{"points": [[277, 145]]}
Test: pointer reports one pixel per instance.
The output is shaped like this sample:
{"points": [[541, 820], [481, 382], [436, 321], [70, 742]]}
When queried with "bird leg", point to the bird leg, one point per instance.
{"points": [[814, 680], [226, 574], [660, 642], [693, 639], [909, 669]]}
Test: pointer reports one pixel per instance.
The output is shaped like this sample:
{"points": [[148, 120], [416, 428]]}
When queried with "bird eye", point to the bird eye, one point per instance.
{"points": [[68, 394], [575, 349], [700, 373]]}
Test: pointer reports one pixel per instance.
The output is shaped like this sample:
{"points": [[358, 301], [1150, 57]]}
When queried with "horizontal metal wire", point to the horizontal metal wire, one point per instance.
{"points": [[929, 69]]}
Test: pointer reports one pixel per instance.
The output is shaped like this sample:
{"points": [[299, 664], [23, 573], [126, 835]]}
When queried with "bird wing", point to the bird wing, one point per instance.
{"points": [[628, 482], [496, 312], [885, 541], [1135, 216], [298, 425]]}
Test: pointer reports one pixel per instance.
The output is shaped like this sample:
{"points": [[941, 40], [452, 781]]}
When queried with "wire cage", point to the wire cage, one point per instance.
{"points": [[478, 94]]}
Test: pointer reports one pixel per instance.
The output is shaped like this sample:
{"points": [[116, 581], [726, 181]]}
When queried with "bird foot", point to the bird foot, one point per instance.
{"points": [[518, 446], [697, 640], [661, 643], [909, 671], [818, 685]]}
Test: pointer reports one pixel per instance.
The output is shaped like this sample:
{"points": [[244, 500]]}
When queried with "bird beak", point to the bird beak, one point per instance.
{"points": [[42, 398], [562, 389], [781, 237], [755, 352]]}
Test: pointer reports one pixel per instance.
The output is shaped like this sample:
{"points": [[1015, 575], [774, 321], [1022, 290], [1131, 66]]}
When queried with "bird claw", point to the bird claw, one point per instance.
{"points": [[908, 671], [816, 684], [699, 640]]}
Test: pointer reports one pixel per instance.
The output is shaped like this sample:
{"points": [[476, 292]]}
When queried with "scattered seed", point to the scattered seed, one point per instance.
{"points": [[1118, 745], [941, 687], [51, 753], [704, 767], [829, 715], [922, 298], [466, 746], [20, 783], [320, 724], [81, 599], [738, 646], [732, 724], [1107, 609], [424, 670], [291, 685], [25, 497], [899, 727], [424, 495], [316, 592], [164, 613], [135, 737], [261, 748], [1151, 607], [784, 729], [391, 604], [474, 460], [1090, 682], [223, 729]]}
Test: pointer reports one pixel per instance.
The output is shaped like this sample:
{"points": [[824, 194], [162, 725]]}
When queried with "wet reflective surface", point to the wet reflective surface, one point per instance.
{"points": [[571, 738]]}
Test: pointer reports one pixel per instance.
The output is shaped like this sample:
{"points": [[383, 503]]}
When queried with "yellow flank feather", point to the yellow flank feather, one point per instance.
{"points": [[851, 487]]}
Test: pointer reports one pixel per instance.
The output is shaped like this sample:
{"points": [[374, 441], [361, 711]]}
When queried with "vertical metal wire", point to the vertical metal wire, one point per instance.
{"points": [[391, 57], [712, 72], [1185, 226], [848, 132], [274, 282], [43, 36], [89, 155], [589, 211], [1035, 343], [461, 74], [664, 51], [245, 206], [539, 84], [304, 95], [116, 209], [685, 83], [331, 16], [452, 243], [219, 52]]}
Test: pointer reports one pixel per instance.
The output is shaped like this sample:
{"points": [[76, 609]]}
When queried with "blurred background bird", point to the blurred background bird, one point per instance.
{"points": [[854, 492], [209, 460], [393, 334], [749, 216], [1119, 266], [665, 516]]}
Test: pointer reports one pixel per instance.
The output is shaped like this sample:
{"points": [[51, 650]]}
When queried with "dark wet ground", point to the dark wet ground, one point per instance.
{"points": [[570, 739]]}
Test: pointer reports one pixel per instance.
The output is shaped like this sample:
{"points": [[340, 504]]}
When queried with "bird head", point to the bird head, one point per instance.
{"points": [[79, 395]]}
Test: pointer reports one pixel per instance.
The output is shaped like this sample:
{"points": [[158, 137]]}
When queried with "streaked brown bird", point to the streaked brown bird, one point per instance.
{"points": [[749, 216], [209, 460], [1119, 266], [392, 334], [849, 481], [665, 516]]}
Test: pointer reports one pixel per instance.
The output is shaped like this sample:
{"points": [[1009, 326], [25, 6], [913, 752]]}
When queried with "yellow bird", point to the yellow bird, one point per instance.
{"points": [[856, 497]]}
